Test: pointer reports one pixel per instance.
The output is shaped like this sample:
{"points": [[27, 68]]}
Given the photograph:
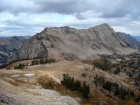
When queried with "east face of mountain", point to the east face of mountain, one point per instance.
{"points": [[130, 40], [8, 47], [71, 43]]}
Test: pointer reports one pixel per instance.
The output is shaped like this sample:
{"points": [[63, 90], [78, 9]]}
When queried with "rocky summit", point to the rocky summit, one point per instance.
{"points": [[8, 47], [71, 43]]}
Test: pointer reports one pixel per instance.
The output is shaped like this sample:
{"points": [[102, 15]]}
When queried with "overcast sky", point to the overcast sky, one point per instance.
{"points": [[27, 17]]}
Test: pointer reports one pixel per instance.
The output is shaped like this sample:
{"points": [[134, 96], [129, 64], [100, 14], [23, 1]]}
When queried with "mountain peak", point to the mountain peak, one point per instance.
{"points": [[71, 43], [101, 26], [104, 25]]}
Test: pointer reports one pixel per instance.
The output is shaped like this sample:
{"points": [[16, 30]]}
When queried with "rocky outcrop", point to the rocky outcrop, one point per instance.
{"points": [[8, 47], [71, 43], [130, 40]]}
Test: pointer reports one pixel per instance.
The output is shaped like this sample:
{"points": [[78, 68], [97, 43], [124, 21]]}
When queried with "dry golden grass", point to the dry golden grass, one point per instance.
{"points": [[47, 76], [13, 83], [17, 63], [128, 80], [131, 102], [48, 83], [88, 62]]}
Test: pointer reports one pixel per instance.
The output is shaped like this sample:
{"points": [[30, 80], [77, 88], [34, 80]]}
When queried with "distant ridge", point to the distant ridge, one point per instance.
{"points": [[26, 37], [137, 37], [130, 40], [8, 47]]}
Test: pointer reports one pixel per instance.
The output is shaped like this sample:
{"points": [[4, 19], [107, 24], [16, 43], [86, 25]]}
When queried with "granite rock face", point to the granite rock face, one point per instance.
{"points": [[130, 40], [8, 47], [71, 43]]}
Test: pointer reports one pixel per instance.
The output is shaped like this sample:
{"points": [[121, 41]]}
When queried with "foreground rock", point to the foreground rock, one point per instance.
{"points": [[13, 95], [36, 97]]}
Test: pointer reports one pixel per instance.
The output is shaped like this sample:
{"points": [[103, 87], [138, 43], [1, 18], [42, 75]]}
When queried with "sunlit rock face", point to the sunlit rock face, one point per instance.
{"points": [[71, 43]]}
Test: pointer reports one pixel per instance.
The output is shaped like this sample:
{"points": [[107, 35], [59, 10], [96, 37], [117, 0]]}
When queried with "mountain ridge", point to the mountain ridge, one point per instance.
{"points": [[130, 40], [8, 47], [71, 43]]}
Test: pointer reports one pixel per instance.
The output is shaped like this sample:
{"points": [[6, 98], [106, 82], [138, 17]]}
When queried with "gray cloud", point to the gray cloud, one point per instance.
{"points": [[109, 8], [63, 7], [78, 13], [121, 8], [41, 6], [79, 16]]}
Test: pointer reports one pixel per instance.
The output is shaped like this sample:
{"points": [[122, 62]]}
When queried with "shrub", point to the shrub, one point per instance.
{"points": [[84, 74], [117, 70], [103, 64], [114, 87], [75, 85]]}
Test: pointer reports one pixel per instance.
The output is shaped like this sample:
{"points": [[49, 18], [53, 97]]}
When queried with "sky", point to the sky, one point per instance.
{"points": [[28, 17]]}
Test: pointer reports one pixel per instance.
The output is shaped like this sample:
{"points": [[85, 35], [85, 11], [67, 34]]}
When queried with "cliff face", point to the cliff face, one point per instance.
{"points": [[70, 43], [8, 47], [130, 40]]}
